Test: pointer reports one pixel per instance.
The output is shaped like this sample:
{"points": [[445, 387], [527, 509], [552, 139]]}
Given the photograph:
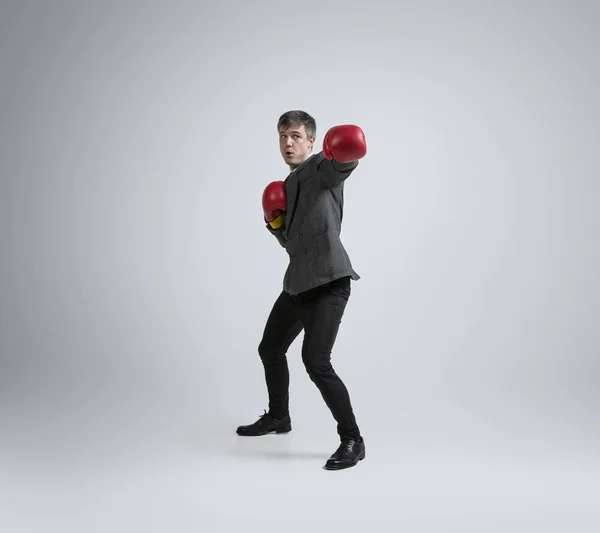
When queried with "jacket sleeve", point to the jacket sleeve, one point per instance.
{"points": [[278, 235], [333, 173]]}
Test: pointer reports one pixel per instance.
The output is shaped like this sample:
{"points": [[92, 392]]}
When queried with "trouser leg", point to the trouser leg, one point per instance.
{"points": [[281, 329], [321, 312]]}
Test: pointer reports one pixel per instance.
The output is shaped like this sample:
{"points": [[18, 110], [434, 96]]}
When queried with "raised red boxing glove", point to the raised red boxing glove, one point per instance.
{"points": [[274, 203], [345, 143]]}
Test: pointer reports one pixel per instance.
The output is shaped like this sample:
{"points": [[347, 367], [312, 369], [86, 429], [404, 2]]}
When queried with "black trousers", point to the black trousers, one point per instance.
{"points": [[319, 313]]}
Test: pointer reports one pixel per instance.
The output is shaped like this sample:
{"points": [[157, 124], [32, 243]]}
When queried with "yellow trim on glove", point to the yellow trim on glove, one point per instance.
{"points": [[277, 222]]}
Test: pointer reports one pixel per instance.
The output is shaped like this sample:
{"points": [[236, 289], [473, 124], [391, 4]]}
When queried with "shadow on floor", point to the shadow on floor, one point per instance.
{"points": [[288, 455]]}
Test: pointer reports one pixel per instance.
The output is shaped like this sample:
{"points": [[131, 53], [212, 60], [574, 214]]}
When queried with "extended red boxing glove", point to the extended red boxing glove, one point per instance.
{"points": [[345, 143], [274, 203]]}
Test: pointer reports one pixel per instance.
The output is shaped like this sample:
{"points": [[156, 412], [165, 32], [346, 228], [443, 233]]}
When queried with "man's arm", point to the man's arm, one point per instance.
{"points": [[333, 172], [274, 202], [343, 146], [278, 234]]}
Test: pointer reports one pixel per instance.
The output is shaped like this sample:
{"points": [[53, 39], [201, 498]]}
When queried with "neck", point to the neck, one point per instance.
{"points": [[294, 167]]}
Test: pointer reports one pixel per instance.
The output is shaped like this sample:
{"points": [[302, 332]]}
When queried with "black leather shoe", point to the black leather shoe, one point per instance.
{"points": [[348, 454], [266, 424]]}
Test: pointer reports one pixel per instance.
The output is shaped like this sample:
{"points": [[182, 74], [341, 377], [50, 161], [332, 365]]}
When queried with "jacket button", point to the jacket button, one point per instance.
{"points": [[305, 250]]}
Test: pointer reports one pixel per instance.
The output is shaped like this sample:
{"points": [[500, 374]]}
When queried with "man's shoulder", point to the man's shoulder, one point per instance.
{"points": [[313, 159], [313, 162], [318, 157], [310, 164]]}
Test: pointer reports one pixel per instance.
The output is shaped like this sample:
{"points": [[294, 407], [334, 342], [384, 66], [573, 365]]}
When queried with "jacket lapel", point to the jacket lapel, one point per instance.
{"points": [[291, 191]]}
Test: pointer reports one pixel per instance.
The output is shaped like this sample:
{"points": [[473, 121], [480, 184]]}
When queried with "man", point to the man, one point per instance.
{"points": [[304, 213]]}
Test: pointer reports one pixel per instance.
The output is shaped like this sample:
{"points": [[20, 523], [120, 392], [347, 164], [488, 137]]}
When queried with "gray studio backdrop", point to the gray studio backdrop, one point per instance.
{"points": [[136, 272]]}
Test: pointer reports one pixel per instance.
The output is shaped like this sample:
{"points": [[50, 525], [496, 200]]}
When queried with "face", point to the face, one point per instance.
{"points": [[294, 145]]}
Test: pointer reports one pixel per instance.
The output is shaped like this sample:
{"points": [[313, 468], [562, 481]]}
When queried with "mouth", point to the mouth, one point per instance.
{"points": [[288, 153]]}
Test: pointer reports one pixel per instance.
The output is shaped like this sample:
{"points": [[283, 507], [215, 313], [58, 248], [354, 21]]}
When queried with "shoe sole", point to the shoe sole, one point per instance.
{"points": [[344, 466], [285, 429]]}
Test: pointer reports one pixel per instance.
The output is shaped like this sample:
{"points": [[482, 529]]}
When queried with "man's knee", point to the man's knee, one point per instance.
{"points": [[317, 367], [270, 354]]}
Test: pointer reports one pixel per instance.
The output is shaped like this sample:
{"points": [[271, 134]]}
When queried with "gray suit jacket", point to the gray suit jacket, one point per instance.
{"points": [[312, 224]]}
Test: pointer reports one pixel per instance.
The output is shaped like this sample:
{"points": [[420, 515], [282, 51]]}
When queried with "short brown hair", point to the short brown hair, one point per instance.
{"points": [[296, 117]]}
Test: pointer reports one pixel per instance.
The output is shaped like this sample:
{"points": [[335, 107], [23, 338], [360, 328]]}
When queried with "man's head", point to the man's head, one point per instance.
{"points": [[297, 131]]}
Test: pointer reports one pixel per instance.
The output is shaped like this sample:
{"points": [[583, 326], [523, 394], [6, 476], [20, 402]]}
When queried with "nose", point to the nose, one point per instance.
{"points": [[288, 142]]}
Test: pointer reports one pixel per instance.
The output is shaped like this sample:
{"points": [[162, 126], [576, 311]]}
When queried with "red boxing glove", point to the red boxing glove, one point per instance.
{"points": [[345, 143], [274, 203]]}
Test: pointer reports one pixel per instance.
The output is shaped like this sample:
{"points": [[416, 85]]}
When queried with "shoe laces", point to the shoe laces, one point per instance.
{"points": [[267, 415], [346, 445]]}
